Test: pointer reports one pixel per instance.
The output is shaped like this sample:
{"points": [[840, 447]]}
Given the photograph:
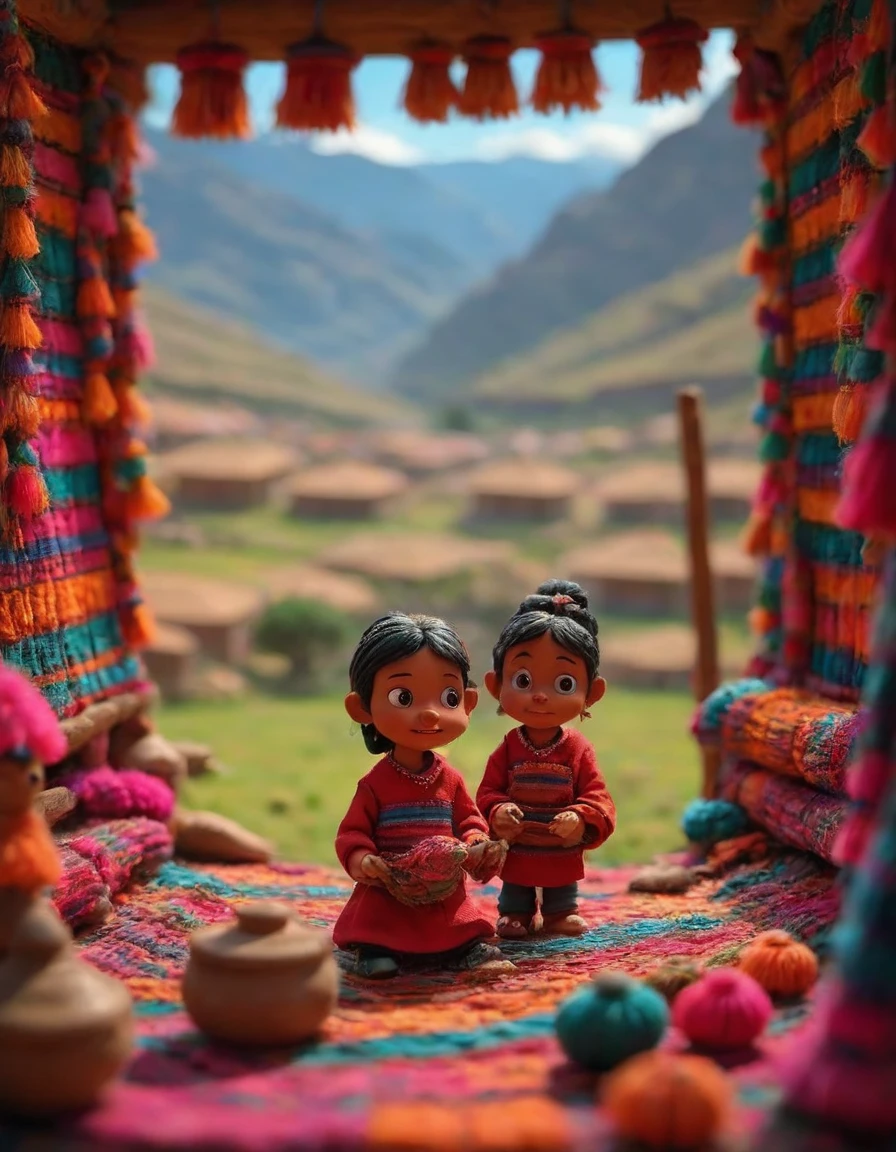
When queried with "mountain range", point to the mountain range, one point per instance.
{"points": [[337, 257]]}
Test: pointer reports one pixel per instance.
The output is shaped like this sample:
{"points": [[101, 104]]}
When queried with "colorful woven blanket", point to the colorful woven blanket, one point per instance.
{"points": [[431, 1061]]}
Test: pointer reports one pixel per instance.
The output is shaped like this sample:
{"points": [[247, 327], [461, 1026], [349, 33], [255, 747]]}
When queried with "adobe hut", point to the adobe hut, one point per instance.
{"points": [[659, 659], [420, 454], [522, 489], [653, 493], [349, 594], [172, 660], [345, 490], [218, 613], [645, 573], [226, 475], [178, 422], [413, 557]]}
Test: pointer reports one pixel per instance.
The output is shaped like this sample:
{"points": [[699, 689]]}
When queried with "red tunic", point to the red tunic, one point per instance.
{"points": [[543, 782], [392, 813]]}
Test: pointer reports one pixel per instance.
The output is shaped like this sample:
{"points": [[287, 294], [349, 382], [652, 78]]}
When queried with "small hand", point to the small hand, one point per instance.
{"points": [[475, 853], [506, 821], [568, 827], [372, 870]]}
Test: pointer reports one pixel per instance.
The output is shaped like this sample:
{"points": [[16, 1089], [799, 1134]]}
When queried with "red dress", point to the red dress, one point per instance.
{"points": [[542, 782], [391, 812]]}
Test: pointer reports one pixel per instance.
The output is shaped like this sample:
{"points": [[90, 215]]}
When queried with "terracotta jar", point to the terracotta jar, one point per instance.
{"points": [[66, 1029], [263, 979]]}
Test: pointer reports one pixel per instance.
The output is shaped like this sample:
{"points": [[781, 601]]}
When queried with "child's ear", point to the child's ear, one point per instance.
{"points": [[493, 684], [471, 698], [356, 709], [596, 691]]}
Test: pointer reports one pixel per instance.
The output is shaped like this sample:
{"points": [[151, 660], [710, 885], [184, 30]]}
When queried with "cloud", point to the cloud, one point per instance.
{"points": [[372, 143]]}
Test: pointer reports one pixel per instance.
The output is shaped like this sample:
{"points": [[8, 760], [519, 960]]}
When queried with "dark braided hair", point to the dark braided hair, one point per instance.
{"points": [[561, 608], [393, 637]]}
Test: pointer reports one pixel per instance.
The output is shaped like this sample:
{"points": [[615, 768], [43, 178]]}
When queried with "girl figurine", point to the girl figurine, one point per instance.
{"points": [[542, 791], [411, 694]]}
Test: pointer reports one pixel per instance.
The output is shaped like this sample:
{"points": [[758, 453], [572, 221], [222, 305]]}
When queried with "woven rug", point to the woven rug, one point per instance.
{"points": [[432, 1061]]}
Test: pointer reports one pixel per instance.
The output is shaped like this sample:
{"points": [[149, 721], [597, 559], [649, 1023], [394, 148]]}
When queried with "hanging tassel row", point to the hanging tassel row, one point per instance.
{"points": [[567, 77], [212, 101], [671, 59], [318, 93], [24, 493]]}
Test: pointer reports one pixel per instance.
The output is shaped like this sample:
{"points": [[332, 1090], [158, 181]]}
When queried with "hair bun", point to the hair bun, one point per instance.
{"points": [[562, 591]]}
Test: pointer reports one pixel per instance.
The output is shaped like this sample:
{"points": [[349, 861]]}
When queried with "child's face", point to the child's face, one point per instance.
{"points": [[419, 702], [543, 684]]}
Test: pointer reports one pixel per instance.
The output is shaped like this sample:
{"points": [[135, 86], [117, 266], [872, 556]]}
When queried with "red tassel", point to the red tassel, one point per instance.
{"points": [[4, 460], [868, 258], [430, 94], [212, 101], [672, 59], [868, 501], [567, 76], [129, 81], [318, 94], [878, 138], [756, 538], [26, 493], [489, 90], [746, 108]]}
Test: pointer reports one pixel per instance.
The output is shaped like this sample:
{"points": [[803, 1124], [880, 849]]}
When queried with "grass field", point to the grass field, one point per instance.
{"points": [[290, 766]]}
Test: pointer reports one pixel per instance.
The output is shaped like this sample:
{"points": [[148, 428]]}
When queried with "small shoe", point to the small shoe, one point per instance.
{"points": [[377, 968], [569, 924], [478, 956], [513, 927]]}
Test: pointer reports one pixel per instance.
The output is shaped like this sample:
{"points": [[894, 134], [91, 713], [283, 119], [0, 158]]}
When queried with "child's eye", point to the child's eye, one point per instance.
{"points": [[451, 698], [401, 697], [565, 685], [521, 680]]}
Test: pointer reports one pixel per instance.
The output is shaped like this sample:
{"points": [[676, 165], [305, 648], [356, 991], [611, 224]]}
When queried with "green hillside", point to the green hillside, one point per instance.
{"points": [[693, 327], [203, 356]]}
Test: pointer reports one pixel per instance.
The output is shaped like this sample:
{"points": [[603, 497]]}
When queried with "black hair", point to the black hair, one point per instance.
{"points": [[396, 636], [561, 608]]}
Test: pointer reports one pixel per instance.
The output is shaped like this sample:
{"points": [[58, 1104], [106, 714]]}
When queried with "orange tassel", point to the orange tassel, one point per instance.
{"points": [[878, 138], [134, 410], [212, 101], [137, 625], [430, 94], [18, 100], [15, 168], [134, 243], [23, 415], [567, 76], [123, 138], [760, 621], [21, 53], [318, 93], [95, 299], [146, 501], [756, 538], [755, 261], [19, 236], [129, 81], [17, 326], [489, 90], [671, 60], [854, 199], [850, 405], [99, 405]]}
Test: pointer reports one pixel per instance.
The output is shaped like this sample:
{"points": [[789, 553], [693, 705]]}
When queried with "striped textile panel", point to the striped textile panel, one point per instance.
{"points": [[401, 826], [58, 600]]}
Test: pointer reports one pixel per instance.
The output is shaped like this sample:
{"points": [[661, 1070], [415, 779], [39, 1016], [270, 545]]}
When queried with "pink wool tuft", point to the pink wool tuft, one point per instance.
{"points": [[868, 259], [723, 1011], [27, 720], [137, 346], [868, 503], [107, 794], [98, 213]]}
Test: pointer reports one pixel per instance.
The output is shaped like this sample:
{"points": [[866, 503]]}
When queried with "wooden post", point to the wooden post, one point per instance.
{"points": [[706, 673]]}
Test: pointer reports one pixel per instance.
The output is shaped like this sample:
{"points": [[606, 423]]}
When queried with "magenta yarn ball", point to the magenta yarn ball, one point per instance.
{"points": [[724, 1010]]}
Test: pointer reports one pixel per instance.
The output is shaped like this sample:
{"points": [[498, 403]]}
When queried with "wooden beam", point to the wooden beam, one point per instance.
{"points": [[152, 31], [706, 673], [781, 21]]}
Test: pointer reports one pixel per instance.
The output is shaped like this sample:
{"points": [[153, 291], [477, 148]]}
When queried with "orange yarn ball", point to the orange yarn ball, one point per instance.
{"points": [[668, 1101], [782, 965]]}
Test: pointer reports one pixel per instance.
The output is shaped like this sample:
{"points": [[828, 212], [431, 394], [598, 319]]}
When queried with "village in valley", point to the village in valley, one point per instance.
{"points": [[285, 538]]}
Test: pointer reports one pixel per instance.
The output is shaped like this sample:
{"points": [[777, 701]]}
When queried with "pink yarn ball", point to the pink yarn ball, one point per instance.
{"points": [[107, 794], [723, 1011]]}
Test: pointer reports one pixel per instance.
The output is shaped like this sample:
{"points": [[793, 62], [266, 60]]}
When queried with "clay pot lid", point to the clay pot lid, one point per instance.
{"points": [[265, 933], [47, 991]]}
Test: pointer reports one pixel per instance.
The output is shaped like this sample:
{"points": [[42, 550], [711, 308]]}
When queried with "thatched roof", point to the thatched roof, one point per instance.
{"points": [[734, 478], [246, 460], [650, 555], [412, 557], [179, 598], [525, 477], [172, 640], [348, 480], [180, 418], [667, 649], [308, 582], [430, 452], [664, 483]]}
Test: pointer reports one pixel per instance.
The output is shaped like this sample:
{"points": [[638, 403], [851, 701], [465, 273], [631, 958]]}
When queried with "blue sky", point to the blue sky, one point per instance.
{"points": [[622, 130]]}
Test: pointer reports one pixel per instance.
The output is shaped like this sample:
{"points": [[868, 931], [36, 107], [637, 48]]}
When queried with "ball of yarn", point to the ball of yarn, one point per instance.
{"points": [[724, 1010], [117, 794], [678, 973], [709, 821], [715, 707], [609, 1020], [668, 1101], [783, 966], [428, 873]]}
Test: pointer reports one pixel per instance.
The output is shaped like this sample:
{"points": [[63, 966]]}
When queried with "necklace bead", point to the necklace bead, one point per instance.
{"points": [[537, 750], [424, 778]]}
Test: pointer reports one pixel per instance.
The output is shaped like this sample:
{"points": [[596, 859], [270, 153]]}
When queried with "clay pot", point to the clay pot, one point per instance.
{"points": [[264, 979], [66, 1030]]}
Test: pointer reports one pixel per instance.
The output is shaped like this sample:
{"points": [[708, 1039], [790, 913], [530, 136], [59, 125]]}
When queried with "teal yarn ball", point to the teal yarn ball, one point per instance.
{"points": [[609, 1020], [709, 821]]}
